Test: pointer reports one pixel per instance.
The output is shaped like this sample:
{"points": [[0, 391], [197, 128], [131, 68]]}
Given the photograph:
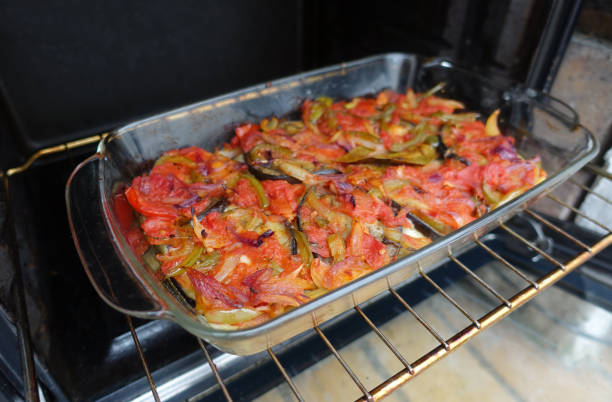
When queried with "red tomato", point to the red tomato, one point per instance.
{"points": [[196, 154], [127, 224], [329, 152], [344, 272], [387, 139], [505, 176], [347, 121], [159, 227], [123, 211], [367, 208], [317, 235], [218, 231], [283, 196], [249, 135], [426, 108], [170, 264], [149, 208], [165, 188], [214, 294], [245, 194], [365, 108], [181, 172], [270, 288], [468, 178], [362, 244]]}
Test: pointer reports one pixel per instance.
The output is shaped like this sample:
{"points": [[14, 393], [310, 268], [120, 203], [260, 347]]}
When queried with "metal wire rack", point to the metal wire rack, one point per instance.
{"points": [[445, 346]]}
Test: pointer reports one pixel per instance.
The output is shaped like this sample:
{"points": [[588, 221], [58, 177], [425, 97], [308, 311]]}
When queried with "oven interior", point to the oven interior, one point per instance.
{"points": [[72, 71]]}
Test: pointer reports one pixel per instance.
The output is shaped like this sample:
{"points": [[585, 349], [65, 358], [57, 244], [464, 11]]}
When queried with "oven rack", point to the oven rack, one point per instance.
{"points": [[410, 369]]}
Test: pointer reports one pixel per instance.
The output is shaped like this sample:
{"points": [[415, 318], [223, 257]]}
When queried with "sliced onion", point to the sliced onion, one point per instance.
{"points": [[228, 266], [412, 232], [234, 316], [189, 202], [313, 294]]}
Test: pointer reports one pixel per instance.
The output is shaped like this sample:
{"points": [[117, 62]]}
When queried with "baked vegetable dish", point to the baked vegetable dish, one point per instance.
{"points": [[291, 209]]}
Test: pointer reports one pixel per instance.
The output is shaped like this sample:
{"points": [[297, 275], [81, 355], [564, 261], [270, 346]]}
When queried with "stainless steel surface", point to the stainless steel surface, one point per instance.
{"points": [[563, 146]]}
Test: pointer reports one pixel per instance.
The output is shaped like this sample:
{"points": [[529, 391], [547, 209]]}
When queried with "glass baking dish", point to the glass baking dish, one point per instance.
{"points": [[540, 124]]}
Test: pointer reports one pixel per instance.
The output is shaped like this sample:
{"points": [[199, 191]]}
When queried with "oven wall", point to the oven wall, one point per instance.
{"points": [[72, 69]]}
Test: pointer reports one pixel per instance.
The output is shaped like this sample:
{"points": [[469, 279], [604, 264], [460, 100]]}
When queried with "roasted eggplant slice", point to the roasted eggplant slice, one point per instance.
{"points": [[449, 153], [429, 225]]}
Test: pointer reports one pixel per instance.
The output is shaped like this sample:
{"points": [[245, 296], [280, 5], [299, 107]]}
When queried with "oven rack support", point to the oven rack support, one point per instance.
{"points": [[411, 369]]}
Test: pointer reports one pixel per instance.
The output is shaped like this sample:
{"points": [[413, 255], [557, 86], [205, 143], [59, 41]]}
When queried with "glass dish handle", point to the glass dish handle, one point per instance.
{"points": [[554, 106], [113, 281]]}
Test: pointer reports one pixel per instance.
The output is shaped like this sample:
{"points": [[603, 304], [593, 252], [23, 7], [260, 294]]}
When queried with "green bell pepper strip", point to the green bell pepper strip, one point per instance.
{"points": [[209, 260], [356, 154], [303, 247], [193, 257], [149, 258], [259, 190], [178, 159]]}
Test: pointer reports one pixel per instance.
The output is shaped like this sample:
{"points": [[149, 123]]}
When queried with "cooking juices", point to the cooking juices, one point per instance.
{"points": [[288, 210]]}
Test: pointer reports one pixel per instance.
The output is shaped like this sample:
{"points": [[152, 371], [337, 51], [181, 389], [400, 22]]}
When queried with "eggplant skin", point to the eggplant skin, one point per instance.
{"points": [[423, 226], [327, 172], [218, 205], [299, 210], [269, 173], [448, 153]]}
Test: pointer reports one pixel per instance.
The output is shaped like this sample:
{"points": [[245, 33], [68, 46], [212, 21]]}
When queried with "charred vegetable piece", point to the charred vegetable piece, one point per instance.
{"points": [[261, 158], [448, 153]]}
